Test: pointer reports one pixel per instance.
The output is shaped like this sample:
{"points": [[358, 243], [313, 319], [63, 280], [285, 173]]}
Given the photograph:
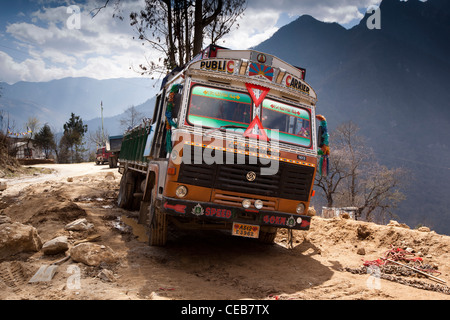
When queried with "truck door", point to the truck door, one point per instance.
{"points": [[153, 145]]}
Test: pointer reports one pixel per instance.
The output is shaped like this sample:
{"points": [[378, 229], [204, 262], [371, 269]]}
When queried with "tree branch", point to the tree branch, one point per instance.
{"points": [[98, 9]]}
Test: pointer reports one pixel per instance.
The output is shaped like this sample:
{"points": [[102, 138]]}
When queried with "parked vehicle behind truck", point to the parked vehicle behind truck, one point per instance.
{"points": [[101, 155], [110, 152], [232, 145], [113, 146]]}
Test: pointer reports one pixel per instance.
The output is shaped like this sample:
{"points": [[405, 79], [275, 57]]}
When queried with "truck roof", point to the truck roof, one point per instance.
{"points": [[116, 137], [252, 67]]}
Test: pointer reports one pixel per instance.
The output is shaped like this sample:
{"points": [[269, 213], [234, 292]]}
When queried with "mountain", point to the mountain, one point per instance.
{"points": [[393, 83], [52, 102]]}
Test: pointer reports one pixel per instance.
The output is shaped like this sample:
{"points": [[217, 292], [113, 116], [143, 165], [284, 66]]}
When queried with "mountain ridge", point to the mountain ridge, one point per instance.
{"points": [[53, 101], [391, 85]]}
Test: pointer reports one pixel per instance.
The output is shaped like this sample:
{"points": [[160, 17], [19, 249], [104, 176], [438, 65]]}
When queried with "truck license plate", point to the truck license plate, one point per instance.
{"points": [[245, 230]]}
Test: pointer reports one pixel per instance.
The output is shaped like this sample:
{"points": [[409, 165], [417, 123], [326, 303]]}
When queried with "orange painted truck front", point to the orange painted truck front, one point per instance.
{"points": [[231, 145]]}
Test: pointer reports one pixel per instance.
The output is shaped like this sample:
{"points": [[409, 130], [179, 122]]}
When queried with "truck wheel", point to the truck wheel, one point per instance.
{"points": [[125, 198], [267, 234], [158, 228], [112, 162]]}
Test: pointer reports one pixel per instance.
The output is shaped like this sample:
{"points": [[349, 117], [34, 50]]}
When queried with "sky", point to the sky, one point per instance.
{"points": [[43, 40]]}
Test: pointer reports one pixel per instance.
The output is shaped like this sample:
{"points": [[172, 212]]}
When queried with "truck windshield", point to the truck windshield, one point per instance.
{"points": [[216, 108], [292, 122]]}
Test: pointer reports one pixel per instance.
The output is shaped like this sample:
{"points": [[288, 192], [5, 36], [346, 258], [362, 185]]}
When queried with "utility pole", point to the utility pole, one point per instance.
{"points": [[103, 136]]}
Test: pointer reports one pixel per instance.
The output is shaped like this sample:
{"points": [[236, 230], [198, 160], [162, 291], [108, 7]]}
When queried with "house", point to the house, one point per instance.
{"points": [[27, 150]]}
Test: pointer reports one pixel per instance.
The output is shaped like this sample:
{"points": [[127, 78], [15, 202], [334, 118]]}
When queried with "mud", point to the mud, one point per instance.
{"points": [[199, 265]]}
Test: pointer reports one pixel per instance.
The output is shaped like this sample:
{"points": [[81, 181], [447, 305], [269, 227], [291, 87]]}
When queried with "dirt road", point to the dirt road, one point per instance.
{"points": [[60, 172], [199, 265]]}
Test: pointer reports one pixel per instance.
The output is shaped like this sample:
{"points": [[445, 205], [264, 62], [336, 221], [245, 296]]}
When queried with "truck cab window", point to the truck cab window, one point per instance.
{"points": [[292, 123], [212, 107]]}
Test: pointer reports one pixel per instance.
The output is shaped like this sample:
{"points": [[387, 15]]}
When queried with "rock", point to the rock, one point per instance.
{"points": [[361, 251], [110, 176], [16, 237], [345, 215], [156, 296], [410, 250], [93, 254], [79, 225], [56, 245], [424, 229], [106, 275], [4, 219], [70, 179], [393, 223], [363, 232], [3, 186], [311, 212]]}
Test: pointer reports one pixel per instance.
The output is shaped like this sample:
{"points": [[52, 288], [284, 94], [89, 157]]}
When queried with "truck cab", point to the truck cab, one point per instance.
{"points": [[101, 156]]}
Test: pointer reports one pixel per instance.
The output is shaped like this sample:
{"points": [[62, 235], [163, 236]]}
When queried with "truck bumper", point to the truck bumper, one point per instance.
{"points": [[219, 213]]}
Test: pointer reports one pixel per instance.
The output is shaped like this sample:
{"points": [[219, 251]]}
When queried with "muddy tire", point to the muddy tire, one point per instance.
{"points": [[158, 228], [126, 190], [112, 161], [267, 234]]}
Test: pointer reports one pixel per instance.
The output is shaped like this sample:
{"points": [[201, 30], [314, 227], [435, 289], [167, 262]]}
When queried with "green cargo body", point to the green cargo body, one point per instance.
{"points": [[133, 145]]}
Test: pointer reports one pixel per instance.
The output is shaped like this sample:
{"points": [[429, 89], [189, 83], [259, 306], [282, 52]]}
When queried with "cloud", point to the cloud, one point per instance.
{"points": [[254, 27], [100, 47], [262, 17], [103, 47]]}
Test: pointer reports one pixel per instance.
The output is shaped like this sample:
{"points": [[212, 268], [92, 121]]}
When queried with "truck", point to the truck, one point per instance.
{"points": [[113, 146], [110, 152], [102, 155], [232, 145]]}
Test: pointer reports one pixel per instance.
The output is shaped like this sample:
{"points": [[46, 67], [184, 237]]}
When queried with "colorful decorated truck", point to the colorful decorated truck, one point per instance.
{"points": [[231, 145]]}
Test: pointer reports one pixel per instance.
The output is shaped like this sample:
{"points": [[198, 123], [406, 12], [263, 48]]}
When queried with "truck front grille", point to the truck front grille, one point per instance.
{"points": [[290, 181]]}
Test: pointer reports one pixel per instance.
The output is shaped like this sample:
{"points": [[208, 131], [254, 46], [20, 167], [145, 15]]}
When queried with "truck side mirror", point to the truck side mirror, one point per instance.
{"points": [[320, 138], [176, 104]]}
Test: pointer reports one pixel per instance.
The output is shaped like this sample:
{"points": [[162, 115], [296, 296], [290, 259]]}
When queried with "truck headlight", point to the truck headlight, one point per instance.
{"points": [[300, 208], [258, 204], [246, 203], [181, 191]]}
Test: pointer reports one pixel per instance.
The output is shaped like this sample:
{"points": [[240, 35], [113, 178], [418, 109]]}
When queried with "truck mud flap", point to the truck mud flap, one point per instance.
{"points": [[215, 212]]}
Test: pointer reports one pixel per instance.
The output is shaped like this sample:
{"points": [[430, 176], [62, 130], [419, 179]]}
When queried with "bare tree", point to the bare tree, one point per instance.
{"points": [[98, 137], [379, 192], [331, 183], [131, 118], [177, 29], [355, 179], [357, 154], [232, 10]]}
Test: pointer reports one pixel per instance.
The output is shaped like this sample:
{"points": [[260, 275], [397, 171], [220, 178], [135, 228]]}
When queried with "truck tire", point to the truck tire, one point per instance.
{"points": [[158, 228], [126, 190], [267, 234], [112, 161]]}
